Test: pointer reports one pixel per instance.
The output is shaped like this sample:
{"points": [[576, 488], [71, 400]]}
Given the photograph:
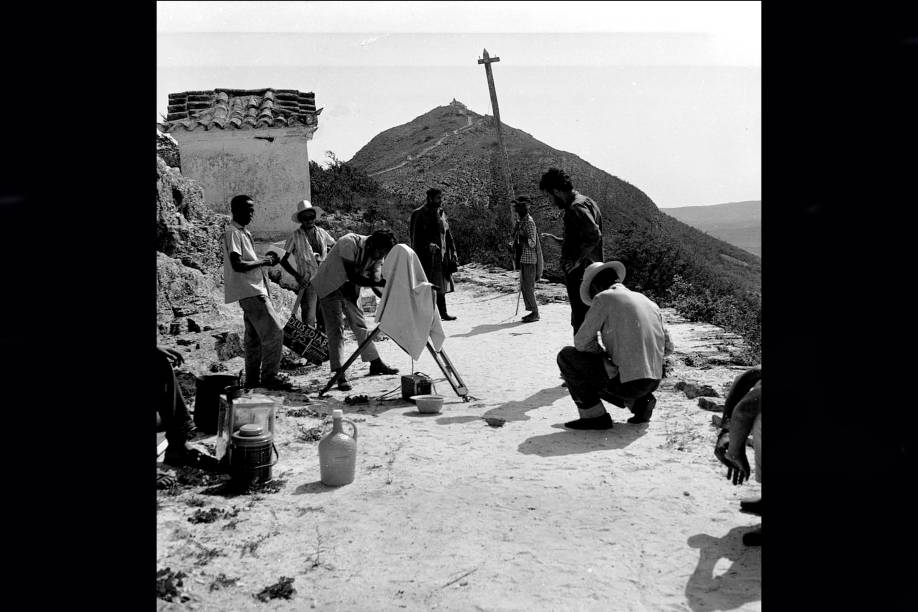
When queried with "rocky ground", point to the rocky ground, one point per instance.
{"points": [[490, 505]]}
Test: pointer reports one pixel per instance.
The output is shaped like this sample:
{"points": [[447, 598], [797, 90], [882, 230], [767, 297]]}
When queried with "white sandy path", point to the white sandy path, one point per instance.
{"points": [[634, 518]]}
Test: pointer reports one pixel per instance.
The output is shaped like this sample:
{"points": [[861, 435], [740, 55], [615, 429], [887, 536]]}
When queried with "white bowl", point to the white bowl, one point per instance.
{"points": [[428, 404]]}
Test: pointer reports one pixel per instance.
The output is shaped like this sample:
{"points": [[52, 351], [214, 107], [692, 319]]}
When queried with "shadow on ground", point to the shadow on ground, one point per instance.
{"points": [[741, 583], [313, 487], [487, 328], [457, 420], [574, 442], [516, 411]]}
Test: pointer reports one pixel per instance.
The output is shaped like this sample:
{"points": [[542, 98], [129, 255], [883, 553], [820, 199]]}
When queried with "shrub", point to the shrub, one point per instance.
{"points": [[658, 264]]}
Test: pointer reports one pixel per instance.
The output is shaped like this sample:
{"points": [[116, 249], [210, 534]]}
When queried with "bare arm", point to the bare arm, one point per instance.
{"points": [[741, 386], [290, 269], [239, 265], [740, 427]]}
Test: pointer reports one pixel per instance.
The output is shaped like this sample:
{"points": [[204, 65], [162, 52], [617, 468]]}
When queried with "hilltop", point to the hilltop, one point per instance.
{"points": [[456, 149], [738, 223]]}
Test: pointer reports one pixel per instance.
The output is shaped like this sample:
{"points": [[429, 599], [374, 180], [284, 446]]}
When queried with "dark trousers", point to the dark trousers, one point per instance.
{"points": [[170, 405], [527, 286], [441, 303], [572, 281], [588, 382]]}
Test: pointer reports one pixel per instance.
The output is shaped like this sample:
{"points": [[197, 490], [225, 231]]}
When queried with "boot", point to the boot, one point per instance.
{"points": [[600, 422], [643, 409], [377, 367]]}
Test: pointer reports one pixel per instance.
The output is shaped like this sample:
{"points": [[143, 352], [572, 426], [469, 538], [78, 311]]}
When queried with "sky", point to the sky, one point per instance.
{"points": [[664, 95]]}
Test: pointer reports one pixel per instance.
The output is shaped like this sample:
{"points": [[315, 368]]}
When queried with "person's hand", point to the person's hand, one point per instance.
{"points": [[721, 446], [175, 358], [568, 265], [738, 471], [270, 259]]}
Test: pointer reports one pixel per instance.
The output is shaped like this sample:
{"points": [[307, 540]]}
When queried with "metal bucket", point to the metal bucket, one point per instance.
{"points": [[208, 388]]}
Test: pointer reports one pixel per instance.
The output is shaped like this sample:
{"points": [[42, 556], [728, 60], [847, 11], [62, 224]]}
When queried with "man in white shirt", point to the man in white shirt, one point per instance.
{"points": [[244, 282], [628, 366]]}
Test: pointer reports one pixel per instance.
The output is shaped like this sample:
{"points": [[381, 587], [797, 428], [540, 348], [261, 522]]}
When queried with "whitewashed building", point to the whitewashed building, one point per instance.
{"points": [[252, 142]]}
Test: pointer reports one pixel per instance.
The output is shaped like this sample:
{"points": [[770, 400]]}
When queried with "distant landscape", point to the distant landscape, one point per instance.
{"points": [[455, 149], [737, 223]]}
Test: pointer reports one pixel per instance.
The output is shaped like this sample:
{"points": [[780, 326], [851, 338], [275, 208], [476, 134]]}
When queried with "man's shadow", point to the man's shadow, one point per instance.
{"points": [[516, 410], [573, 442], [739, 584], [487, 328]]}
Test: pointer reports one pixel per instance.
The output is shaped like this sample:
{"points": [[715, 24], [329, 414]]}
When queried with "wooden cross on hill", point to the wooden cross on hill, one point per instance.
{"points": [[487, 60]]}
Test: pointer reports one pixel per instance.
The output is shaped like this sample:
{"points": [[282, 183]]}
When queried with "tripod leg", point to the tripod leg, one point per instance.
{"points": [[449, 371], [351, 359]]}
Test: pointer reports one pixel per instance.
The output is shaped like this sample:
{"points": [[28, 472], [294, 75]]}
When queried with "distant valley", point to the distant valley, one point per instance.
{"points": [[737, 223]]}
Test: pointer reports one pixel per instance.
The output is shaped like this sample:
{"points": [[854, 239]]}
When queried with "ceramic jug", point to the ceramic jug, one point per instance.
{"points": [[338, 452]]}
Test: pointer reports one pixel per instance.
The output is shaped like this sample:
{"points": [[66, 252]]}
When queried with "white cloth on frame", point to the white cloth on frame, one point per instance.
{"points": [[407, 312]]}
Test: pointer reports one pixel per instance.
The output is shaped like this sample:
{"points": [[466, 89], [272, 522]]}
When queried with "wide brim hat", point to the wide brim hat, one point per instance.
{"points": [[305, 205], [592, 270]]}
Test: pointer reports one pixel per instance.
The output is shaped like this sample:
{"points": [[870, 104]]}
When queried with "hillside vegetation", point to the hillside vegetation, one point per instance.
{"points": [[702, 277]]}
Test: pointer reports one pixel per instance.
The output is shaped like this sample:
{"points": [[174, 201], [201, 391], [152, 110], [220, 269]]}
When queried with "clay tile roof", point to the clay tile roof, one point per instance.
{"points": [[240, 109]]}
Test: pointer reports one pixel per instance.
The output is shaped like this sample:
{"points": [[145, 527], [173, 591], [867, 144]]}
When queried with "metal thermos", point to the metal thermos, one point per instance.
{"points": [[250, 461]]}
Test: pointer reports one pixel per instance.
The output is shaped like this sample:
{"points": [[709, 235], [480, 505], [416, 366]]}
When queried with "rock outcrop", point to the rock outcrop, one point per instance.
{"points": [[185, 228], [167, 148], [189, 259]]}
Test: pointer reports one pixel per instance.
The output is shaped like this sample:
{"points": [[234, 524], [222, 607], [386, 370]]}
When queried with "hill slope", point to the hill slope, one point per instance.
{"points": [[456, 150], [738, 223]]}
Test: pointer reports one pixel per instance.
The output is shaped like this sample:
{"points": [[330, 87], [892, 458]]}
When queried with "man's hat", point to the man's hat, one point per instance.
{"points": [[590, 273], [524, 199], [305, 205]]}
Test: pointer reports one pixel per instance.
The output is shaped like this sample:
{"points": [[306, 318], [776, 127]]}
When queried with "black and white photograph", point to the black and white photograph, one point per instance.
{"points": [[459, 305]]}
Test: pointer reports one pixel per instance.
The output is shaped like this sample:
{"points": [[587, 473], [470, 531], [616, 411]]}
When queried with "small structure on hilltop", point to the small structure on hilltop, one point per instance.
{"points": [[235, 141]]}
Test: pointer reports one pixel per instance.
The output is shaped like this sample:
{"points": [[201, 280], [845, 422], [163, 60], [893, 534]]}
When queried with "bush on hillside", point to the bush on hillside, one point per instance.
{"points": [[658, 264]]}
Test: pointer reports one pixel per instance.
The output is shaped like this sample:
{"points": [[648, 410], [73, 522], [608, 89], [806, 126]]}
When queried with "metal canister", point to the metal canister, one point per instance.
{"points": [[250, 460], [207, 400], [415, 384]]}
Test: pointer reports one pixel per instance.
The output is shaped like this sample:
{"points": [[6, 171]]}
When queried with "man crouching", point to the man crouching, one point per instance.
{"points": [[630, 368]]}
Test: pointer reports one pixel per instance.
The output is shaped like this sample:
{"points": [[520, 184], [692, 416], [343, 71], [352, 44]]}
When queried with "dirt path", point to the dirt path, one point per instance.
{"points": [[449, 513], [431, 147]]}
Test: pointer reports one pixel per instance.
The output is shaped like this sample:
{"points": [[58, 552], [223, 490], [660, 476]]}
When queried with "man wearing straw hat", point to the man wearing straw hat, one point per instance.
{"points": [[309, 246], [527, 252], [629, 369]]}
